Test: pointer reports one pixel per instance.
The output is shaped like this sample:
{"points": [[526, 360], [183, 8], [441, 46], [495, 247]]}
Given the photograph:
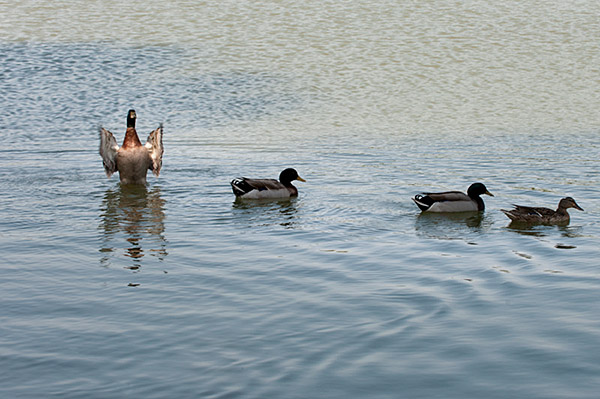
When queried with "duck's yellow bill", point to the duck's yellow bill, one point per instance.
{"points": [[488, 193], [301, 179]]}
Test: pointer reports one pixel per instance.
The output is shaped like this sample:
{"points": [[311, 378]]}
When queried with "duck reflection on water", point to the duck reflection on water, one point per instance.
{"points": [[451, 226], [265, 212], [137, 214], [542, 230]]}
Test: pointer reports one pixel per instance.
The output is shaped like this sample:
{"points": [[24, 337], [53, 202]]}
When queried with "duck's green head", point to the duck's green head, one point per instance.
{"points": [[131, 118], [288, 175], [477, 189]]}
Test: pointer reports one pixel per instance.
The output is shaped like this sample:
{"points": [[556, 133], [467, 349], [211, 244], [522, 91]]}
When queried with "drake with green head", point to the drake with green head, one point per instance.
{"points": [[453, 201], [132, 160], [539, 215], [247, 188]]}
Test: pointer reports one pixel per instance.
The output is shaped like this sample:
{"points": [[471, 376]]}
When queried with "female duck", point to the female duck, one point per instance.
{"points": [[132, 160], [453, 201], [538, 215], [267, 188]]}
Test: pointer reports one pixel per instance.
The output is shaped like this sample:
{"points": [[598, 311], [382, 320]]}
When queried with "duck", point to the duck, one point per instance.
{"points": [[453, 201], [540, 215], [132, 160], [246, 188]]}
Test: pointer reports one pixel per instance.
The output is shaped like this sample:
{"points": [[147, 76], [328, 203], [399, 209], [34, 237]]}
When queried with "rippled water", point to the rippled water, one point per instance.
{"points": [[177, 290]]}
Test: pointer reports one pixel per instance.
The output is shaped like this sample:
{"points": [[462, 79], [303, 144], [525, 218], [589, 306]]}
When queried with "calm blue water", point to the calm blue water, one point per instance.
{"points": [[176, 290]]}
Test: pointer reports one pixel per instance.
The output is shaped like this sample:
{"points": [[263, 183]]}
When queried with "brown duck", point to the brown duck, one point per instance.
{"points": [[537, 215], [132, 160]]}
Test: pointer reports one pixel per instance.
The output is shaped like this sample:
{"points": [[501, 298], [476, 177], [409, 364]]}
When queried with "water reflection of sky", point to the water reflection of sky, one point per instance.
{"points": [[82, 84]]}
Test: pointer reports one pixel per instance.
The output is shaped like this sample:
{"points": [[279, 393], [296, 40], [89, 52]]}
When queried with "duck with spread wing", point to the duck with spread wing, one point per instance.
{"points": [[132, 159]]}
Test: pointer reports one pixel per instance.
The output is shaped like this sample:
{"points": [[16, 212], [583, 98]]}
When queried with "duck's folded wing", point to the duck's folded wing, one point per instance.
{"points": [[260, 188], [108, 151], [155, 148], [533, 211], [264, 184], [449, 196]]}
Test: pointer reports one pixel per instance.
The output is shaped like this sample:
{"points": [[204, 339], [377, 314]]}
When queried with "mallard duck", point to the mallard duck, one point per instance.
{"points": [[132, 160], [539, 215], [453, 201], [267, 188]]}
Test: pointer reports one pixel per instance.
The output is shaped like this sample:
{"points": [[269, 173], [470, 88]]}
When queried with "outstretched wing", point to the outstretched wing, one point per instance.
{"points": [[108, 151], [155, 148]]}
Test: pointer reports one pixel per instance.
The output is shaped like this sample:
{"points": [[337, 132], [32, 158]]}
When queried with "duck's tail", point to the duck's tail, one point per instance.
{"points": [[510, 215], [423, 202], [240, 186]]}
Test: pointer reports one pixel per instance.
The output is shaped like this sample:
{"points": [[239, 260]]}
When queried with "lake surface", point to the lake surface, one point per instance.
{"points": [[176, 290]]}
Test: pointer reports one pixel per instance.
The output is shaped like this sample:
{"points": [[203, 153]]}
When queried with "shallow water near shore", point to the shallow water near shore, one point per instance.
{"points": [[178, 290]]}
